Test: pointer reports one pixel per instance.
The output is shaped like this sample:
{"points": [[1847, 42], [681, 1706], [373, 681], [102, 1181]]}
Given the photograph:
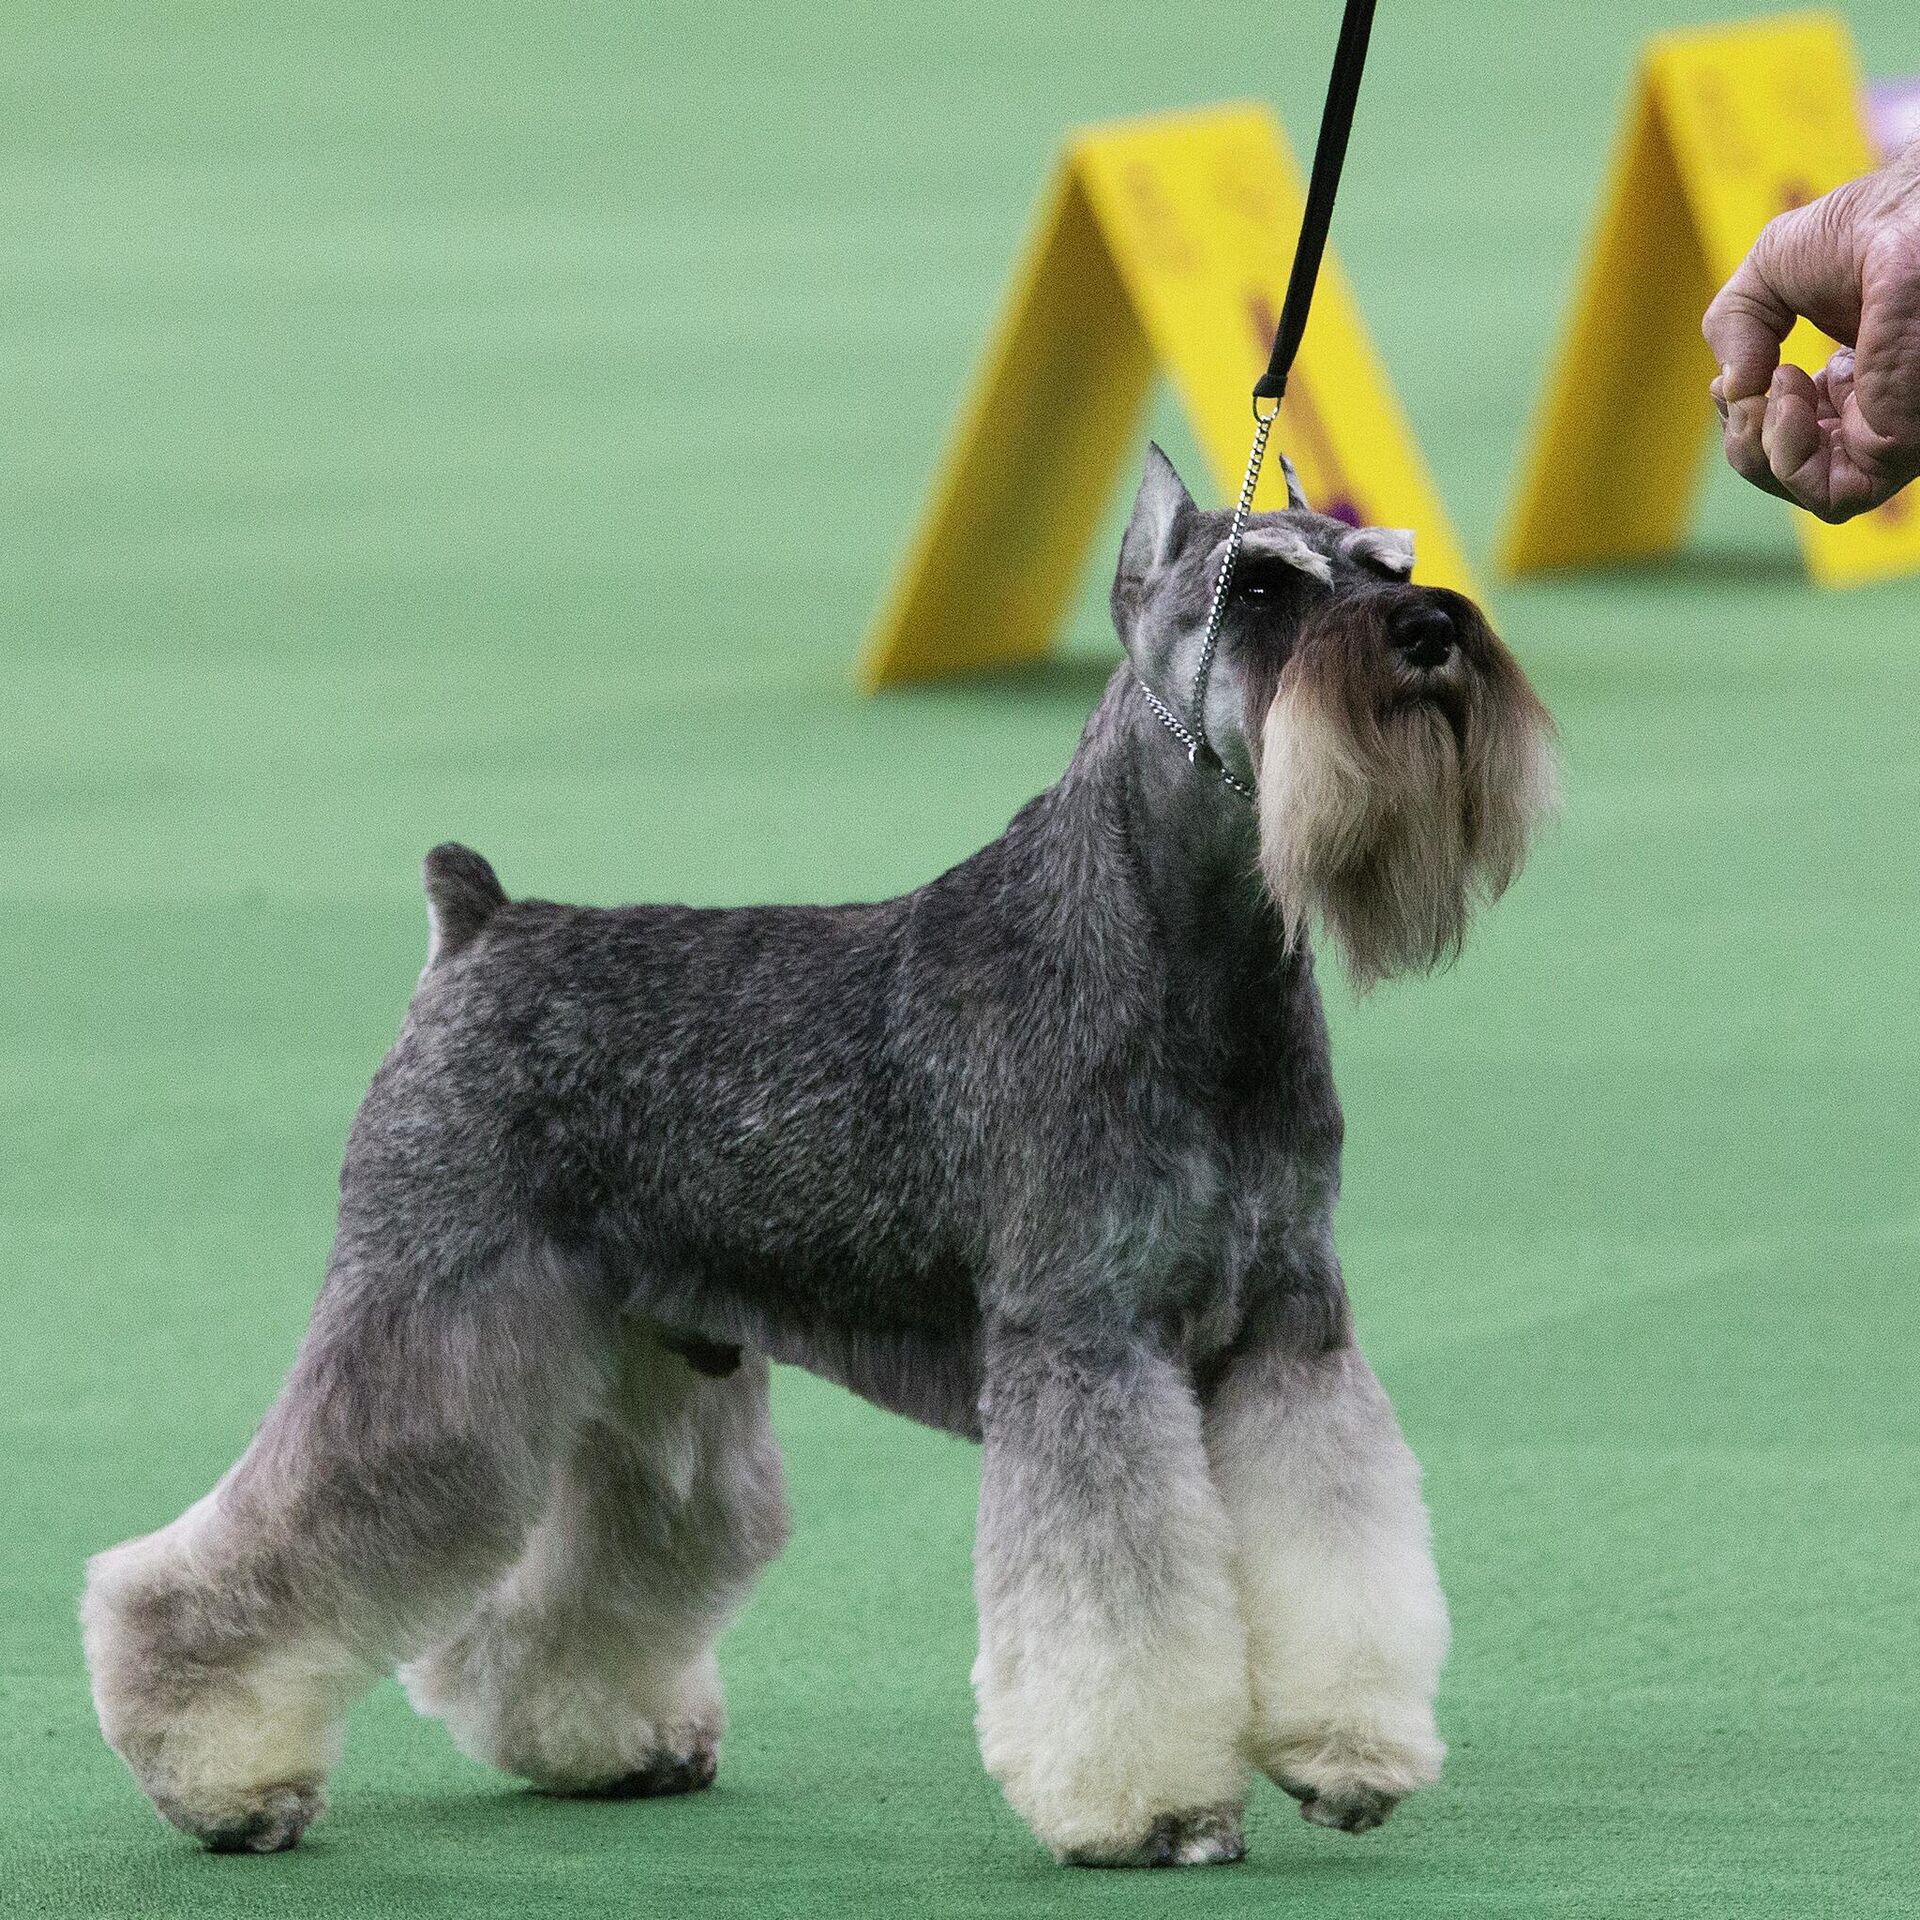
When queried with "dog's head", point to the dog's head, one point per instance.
{"points": [[1401, 759]]}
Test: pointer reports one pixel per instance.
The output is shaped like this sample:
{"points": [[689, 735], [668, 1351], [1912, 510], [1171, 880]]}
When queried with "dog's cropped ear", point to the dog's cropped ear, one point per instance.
{"points": [[1161, 510], [1162, 513]]}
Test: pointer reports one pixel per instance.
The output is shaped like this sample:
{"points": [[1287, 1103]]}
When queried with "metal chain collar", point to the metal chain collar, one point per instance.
{"points": [[1201, 750]]}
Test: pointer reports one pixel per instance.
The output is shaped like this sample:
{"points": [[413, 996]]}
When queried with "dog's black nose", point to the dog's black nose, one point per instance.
{"points": [[1423, 634]]}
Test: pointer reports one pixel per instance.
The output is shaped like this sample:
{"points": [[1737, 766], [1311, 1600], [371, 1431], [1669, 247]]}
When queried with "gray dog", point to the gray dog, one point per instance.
{"points": [[1044, 1153]]}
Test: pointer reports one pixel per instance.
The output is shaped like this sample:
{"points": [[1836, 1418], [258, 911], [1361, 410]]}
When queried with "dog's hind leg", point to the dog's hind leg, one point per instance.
{"points": [[589, 1667], [1112, 1675], [390, 1484], [1346, 1626]]}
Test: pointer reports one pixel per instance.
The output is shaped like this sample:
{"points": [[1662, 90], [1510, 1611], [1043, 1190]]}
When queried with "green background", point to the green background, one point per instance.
{"points": [[500, 422]]}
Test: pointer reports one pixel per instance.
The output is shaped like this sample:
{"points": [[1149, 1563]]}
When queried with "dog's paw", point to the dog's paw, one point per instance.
{"points": [[1351, 1772], [655, 1778], [1205, 1837], [267, 1819], [1352, 1810], [572, 1729]]}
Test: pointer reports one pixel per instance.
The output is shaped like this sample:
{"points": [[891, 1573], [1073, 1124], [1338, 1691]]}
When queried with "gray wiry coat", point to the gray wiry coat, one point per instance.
{"points": [[1076, 1087]]}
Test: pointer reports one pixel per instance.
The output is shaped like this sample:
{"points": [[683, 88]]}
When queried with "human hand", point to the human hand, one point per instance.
{"points": [[1847, 438]]}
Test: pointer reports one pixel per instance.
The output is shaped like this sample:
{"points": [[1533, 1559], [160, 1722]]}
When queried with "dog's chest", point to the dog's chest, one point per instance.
{"points": [[1222, 1220]]}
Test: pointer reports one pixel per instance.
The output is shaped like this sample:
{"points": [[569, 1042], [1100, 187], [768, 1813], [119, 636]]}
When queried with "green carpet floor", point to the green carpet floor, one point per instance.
{"points": [[499, 422]]}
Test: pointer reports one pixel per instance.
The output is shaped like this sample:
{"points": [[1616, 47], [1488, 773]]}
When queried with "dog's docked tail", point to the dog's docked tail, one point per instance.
{"points": [[463, 894]]}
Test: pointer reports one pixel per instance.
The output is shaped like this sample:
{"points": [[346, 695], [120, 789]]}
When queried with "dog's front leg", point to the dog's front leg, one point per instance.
{"points": [[1112, 1676], [1346, 1626]]}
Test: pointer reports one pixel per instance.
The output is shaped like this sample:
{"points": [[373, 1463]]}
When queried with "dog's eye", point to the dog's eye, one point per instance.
{"points": [[1269, 582]]}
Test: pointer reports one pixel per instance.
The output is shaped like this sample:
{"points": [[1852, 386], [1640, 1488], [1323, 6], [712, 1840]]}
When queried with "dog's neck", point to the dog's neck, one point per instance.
{"points": [[1190, 843]]}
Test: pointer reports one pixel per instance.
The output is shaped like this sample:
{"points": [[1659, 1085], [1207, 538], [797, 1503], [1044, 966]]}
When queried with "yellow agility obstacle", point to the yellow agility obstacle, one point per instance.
{"points": [[1161, 245], [1726, 127]]}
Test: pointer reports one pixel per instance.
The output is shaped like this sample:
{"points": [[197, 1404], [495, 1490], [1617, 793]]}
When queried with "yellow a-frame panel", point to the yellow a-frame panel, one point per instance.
{"points": [[1162, 244]]}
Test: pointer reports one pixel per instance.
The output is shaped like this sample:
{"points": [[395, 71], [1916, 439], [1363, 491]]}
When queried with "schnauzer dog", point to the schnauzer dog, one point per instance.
{"points": [[1044, 1153]]}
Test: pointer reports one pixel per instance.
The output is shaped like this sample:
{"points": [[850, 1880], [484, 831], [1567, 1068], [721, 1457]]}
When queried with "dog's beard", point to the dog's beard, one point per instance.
{"points": [[1393, 803]]}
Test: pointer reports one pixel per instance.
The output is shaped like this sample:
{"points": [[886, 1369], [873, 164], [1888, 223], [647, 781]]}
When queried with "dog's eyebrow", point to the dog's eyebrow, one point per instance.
{"points": [[1291, 546], [1390, 548]]}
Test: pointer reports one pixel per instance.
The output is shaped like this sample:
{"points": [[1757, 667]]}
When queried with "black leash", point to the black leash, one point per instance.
{"points": [[1329, 156]]}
